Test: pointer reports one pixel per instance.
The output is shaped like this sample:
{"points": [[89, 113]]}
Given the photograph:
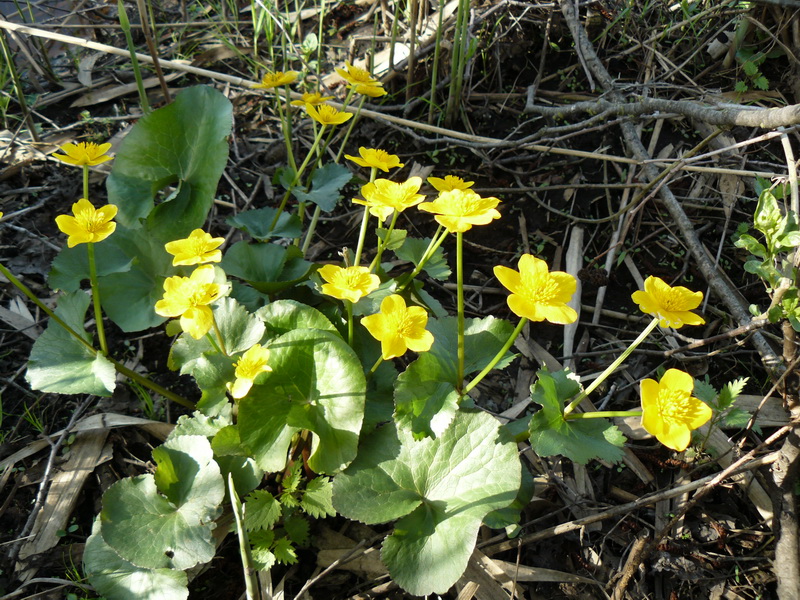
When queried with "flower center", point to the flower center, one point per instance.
{"points": [[673, 405], [539, 290]]}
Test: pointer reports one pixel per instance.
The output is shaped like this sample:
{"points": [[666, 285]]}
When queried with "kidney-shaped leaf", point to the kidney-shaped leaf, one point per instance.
{"points": [[116, 578], [316, 384], [173, 530], [442, 488]]}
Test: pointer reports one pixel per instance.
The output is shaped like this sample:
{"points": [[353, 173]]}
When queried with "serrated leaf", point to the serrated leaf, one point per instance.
{"points": [[262, 511], [284, 551], [317, 383], [283, 316], [442, 488], [269, 268], [736, 418], [326, 183], [183, 143], [414, 249], [731, 391], [154, 532], [740, 87], [705, 392], [317, 501], [260, 547], [293, 478], [61, 364], [256, 223], [580, 440], [297, 528], [119, 579], [761, 83], [750, 68]]}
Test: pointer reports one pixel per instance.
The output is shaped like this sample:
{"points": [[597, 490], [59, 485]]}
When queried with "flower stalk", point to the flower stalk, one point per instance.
{"points": [[98, 313], [497, 358], [460, 306]]}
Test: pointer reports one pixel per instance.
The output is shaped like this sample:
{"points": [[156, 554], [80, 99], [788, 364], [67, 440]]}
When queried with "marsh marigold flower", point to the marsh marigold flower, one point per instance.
{"points": [[673, 305], [84, 153], [538, 294], [399, 328], [459, 210], [348, 283], [384, 196], [276, 79], [198, 248], [312, 98], [252, 364], [373, 90], [89, 224], [325, 114], [375, 158], [670, 412], [189, 299], [450, 182], [361, 81]]}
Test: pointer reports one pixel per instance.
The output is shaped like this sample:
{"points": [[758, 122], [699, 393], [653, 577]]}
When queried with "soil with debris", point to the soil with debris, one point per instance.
{"points": [[531, 130]]}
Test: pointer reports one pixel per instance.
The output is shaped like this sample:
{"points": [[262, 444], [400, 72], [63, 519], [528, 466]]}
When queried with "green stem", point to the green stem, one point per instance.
{"points": [[312, 226], [349, 308], [611, 368], [142, 380], [98, 313], [376, 365], [376, 262], [350, 127], [250, 575], [296, 178], [498, 357], [362, 235], [432, 247], [86, 181], [286, 128], [151, 385], [126, 29], [219, 335], [603, 414], [460, 306]]}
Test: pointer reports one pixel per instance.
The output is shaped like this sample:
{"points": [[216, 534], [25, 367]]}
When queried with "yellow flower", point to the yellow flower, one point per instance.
{"points": [[84, 153], [356, 75], [374, 157], [327, 115], [348, 283], [398, 328], [373, 90], [276, 79], [450, 182], [537, 294], [670, 412], [459, 210], [384, 196], [89, 224], [188, 298], [198, 248], [252, 364], [312, 98], [672, 305]]}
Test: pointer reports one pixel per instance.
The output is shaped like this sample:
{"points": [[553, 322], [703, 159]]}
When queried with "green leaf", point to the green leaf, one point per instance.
{"points": [[71, 266], [425, 395], [183, 143], [59, 363], [326, 183], [705, 392], [750, 68], [283, 316], [297, 528], [740, 87], [761, 83], [316, 384], [317, 499], [256, 223], [749, 243], [284, 551], [269, 268], [262, 511], [442, 488], [172, 531], [736, 418], [260, 546], [731, 391], [240, 330], [246, 474], [199, 424], [436, 266], [396, 238], [118, 579], [580, 440]]}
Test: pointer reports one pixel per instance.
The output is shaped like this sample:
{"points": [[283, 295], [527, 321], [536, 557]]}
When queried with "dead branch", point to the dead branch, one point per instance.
{"points": [[721, 115]]}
